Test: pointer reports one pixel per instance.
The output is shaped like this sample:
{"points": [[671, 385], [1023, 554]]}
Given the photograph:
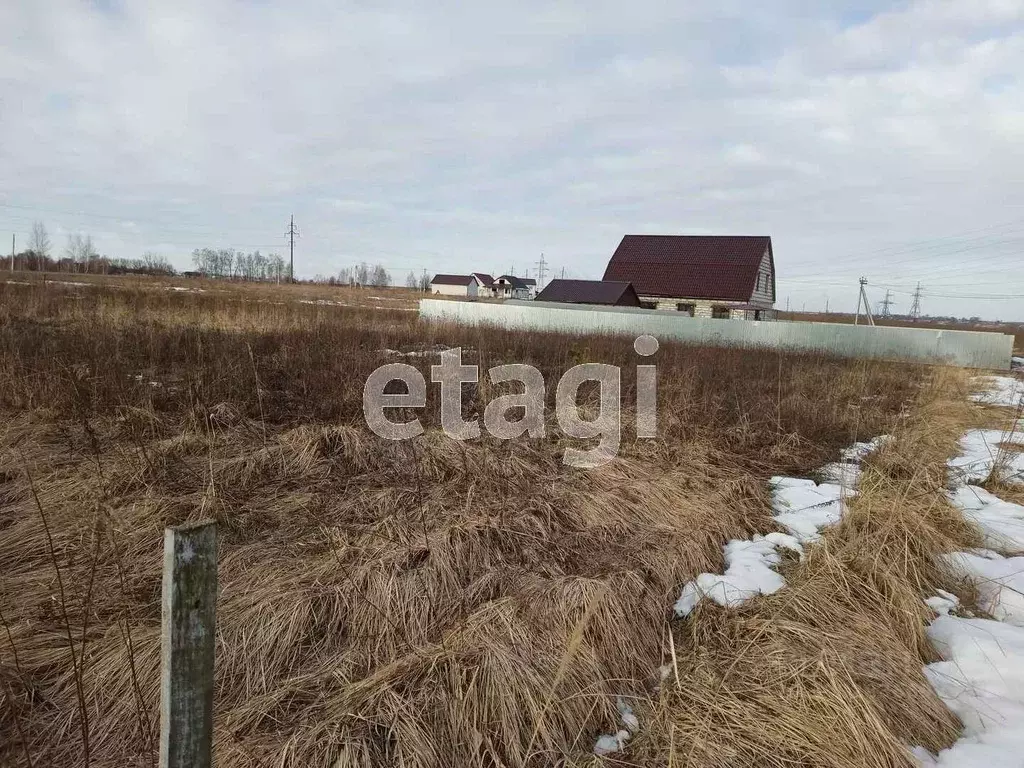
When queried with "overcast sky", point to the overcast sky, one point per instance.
{"points": [[883, 139]]}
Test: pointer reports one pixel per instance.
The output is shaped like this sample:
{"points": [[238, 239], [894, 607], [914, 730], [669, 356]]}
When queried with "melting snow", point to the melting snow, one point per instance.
{"points": [[1000, 390], [1001, 522], [981, 679], [981, 676], [803, 508], [616, 742], [748, 572], [999, 581], [980, 453]]}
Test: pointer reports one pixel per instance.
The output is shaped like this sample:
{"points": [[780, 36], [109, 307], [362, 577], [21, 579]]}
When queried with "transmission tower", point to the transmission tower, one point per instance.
{"points": [[291, 234], [915, 308], [886, 303], [542, 267]]}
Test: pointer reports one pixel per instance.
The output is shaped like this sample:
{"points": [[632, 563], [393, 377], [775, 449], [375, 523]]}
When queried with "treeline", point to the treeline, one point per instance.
{"points": [[238, 265], [361, 275], [80, 256], [30, 261]]}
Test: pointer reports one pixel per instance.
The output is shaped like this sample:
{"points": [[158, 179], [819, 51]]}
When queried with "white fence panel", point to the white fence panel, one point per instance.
{"points": [[968, 349]]}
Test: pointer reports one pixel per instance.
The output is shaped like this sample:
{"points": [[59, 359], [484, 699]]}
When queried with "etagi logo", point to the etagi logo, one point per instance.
{"points": [[451, 374]]}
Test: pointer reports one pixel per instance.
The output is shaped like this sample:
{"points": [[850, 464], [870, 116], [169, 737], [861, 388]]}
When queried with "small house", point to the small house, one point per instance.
{"points": [[728, 277], [455, 285], [512, 287], [603, 292], [486, 282]]}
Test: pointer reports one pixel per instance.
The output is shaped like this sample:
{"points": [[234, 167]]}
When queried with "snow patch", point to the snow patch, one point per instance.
{"points": [[1001, 522], [1000, 390], [803, 508], [999, 581], [980, 453], [616, 742], [748, 572], [943, 603], [981, 679]]}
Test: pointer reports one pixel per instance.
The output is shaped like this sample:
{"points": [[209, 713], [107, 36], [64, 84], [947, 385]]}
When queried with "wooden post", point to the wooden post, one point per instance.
{"points": [[187, 645]]}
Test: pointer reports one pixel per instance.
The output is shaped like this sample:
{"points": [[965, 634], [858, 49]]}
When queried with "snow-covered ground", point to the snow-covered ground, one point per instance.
{"points": [[1001, 522], [1000, 390], [980, 452], [981, 679], [981, 675]]}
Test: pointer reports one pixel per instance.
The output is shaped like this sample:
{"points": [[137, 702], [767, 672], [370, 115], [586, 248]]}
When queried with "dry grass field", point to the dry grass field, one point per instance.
{"points": [[434, 602]]}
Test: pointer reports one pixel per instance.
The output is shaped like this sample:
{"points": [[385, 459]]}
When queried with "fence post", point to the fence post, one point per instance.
{"points": [[189, 607]]}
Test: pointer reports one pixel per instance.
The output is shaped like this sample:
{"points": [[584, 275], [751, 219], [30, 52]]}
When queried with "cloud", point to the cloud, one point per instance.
{"points": [[450, 137]]}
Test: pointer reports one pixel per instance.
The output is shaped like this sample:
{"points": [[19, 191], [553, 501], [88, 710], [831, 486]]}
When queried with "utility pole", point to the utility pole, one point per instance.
{"points": [[862, 298], [291, 234], [886, 303], [787, 303], [13, 236], [541, 269], [915, 308], [563, 273], [826, 305]]}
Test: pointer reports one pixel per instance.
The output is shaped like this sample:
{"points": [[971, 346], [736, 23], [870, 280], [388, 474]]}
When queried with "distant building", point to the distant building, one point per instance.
{"points": [[701, 275], [486, 282], [512, 287], [604, 292], [455, 285]]}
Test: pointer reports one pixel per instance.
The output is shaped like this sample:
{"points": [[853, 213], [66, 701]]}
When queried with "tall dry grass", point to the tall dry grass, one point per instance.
{"points": [[828, 671], [429, 603]]}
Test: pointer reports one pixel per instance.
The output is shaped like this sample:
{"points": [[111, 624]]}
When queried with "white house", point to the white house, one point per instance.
{"points": [[455, 285], [512, 287]]}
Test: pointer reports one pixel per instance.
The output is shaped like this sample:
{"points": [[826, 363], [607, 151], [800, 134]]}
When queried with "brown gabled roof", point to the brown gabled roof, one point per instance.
{"points": [[452, 279], [590, 292], [691, 266], [484, 278], [517, 282]]}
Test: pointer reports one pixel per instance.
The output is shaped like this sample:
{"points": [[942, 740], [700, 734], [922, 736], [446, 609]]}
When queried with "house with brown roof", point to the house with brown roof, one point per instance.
{"points": [[604, 292], [699, 275], [456, 285], [512, 287], [485, 281]]}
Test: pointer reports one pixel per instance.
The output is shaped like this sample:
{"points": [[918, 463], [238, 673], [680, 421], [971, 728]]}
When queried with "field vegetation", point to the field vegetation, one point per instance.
{"points": [[435, 602]]}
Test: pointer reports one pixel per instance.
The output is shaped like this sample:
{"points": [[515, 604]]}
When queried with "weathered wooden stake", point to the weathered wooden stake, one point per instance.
{"points": [[187, 645]]}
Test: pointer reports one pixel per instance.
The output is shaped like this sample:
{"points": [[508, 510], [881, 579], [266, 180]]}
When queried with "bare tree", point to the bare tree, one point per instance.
{"points": [[80, 250], [361, 274], [39, 242], [379, 277], [425, 282], [411, 281]]}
